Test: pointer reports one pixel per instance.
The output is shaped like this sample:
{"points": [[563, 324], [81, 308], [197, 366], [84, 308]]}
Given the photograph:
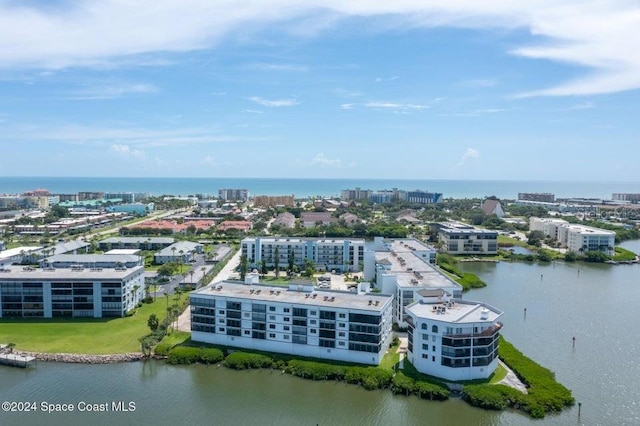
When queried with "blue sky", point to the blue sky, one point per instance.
{"points": [[414, 89]]}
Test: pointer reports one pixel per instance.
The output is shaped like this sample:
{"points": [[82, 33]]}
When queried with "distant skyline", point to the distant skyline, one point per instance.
{"points": [[409, 89]]}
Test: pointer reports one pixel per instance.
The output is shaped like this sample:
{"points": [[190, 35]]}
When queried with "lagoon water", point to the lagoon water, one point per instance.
{"points": [[595, 303]]}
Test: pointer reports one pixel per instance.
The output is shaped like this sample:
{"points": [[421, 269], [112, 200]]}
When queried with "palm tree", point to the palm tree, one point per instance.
{"points": [[191, 273], [203, 270], [181, 259]]}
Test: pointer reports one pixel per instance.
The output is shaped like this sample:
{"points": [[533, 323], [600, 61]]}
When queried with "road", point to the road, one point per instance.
{"points": [[184, 321]]}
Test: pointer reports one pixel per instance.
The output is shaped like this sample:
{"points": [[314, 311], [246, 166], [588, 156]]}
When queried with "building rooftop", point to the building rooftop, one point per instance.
{"points": [[185, 246], [297, 294], [27, 273], [92, 258], [141, 240], [458, 312], [130, 252], [411, 270]]}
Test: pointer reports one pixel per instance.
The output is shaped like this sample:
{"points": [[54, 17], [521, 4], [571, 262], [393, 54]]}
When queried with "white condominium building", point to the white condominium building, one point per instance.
{"points": [[453, 339], [403, 267], [297, 320], [577, 238], [75, 292], [460, 238], [327, 254]]}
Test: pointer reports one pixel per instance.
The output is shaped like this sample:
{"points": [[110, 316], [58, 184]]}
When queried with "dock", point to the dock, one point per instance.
{"points": [[15, 360]]}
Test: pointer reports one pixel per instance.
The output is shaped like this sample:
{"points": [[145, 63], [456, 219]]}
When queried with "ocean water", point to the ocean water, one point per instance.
{"points": [[300, 188]]}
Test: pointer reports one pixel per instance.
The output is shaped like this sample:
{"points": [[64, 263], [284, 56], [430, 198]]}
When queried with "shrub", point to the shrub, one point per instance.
{"points": [[431, 391], [489, 397], [402, 384], [162, 349], [183, 355], [243, 361], [315, 370], [211, 356]]}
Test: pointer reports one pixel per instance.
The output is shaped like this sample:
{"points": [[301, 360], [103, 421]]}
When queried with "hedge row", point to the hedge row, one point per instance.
{"points": [[244, 361], [401, 384], [189, 355], [545, 394]]}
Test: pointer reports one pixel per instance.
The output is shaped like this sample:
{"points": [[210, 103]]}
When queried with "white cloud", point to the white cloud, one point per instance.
{"points": [[274, 103], [598, 35], [113, 91], [394, 105], [320, 160], [253, 111], [324, 161], [347, 106], [127, 151], [208, 161], [468, 154], [121, 139], [280, 67]]}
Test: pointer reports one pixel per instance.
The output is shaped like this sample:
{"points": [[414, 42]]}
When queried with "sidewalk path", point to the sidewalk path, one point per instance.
{"points": [[184, 320]]}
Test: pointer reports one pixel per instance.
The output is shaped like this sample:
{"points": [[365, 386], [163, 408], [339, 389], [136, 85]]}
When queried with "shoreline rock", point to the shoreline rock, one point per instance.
{"points": [[86, 358]]}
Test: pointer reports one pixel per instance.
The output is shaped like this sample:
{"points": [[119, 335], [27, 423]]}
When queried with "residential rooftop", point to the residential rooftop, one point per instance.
{"points": [[27, 273], [457, 312], [297, 294]]}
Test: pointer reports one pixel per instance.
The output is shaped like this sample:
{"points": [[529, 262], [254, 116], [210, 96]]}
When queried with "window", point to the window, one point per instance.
{"points": [[286, 328], [286, 337], [341, 334], [340, 343], [425, 347], [272, 317], [433, 358], [287, 319], [221, 311], [314, 313], [272, 308], [425, 356], [341, 316], [247, 332], [343, 325], [313, 331], [433, 338], [272, 326], [287, 310], [221, 329], [424, 325], [433, 348], [425, 336], [247, 314], [272, 335], [434, 329], [313, 322]]}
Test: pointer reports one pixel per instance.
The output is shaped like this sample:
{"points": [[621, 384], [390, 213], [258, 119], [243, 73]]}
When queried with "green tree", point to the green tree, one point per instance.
{"points": [[244, 267], [153, 322], [291, 261], [276, 261]]}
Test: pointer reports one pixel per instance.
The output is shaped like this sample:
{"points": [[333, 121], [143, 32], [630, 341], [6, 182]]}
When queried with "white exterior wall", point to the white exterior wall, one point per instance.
{"points": [[279, 337], [431, 364]]}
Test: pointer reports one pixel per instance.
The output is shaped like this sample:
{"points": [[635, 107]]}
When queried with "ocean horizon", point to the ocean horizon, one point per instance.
{"points": [[309, 187]]}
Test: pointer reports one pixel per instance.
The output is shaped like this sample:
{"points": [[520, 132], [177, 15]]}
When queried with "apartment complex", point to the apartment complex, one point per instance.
{"points": [[390, 195], [452, 339], [327, 254], [142, 243], [75, 292], [577, 238], [544, 197], [627, 197], [460, 238], [233, 194], [273, 201], [404, 267], [297, 320]]}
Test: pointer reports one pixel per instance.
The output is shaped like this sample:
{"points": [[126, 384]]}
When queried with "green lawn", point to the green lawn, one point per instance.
{"points": [[83, 336], [622, 254]]}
